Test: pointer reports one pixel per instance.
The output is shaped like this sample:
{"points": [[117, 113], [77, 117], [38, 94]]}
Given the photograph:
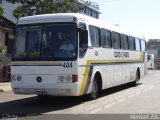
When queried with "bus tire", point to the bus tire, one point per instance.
{"points": [[136, 82], [95, 89]]}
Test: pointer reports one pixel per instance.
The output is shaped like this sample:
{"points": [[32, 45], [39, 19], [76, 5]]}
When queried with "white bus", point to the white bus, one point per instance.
{"points": [[98, 56], [150, 61]]}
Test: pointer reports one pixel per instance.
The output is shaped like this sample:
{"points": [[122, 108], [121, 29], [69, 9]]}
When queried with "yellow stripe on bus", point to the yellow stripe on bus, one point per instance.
{"points": [[89, 62], [87, 69], [36, 63]]}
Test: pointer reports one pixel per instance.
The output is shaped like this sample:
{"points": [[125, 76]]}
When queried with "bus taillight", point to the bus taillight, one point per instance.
{"points": [[74, 78]]}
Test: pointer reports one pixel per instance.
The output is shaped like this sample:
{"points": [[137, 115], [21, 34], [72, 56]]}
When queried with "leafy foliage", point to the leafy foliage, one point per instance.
{"points": [[35, 7], [1, 48], [2, 13]]}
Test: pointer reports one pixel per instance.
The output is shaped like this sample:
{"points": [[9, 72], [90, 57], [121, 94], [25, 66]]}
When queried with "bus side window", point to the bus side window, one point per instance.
{"points": [[116, 40], [137, 41], [106, 38], [143, 46], [94, 36], [124, 42], [131, 43]]}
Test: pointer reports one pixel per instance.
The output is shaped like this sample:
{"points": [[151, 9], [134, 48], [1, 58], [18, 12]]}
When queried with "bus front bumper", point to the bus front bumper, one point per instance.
{"points": [[60, 89]]}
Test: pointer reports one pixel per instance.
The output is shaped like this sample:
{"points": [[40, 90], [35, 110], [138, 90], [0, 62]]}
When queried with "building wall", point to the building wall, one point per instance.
{"points": [[92, 10], [2, 36], [2, 40], [5, 56]]}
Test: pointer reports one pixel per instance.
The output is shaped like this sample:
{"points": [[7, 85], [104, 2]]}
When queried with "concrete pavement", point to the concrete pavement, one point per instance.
{"points": [[140, 102], [5, 87]]}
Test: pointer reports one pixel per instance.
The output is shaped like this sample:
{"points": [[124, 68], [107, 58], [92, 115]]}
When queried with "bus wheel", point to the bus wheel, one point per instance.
{"points": [[95, 89], [136, 82]]}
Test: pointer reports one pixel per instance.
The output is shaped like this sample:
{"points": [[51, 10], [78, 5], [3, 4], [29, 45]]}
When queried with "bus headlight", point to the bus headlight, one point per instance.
{"points": [[61, 78], [13, 77], [68, 79], [19, 78]]}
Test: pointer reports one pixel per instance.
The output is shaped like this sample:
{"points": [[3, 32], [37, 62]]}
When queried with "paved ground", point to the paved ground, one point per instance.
{"points": [[5, 87], [126, 99]]}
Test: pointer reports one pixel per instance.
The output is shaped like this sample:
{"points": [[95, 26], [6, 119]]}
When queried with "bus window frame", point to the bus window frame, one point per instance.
{"points": [[97, 46], [144, 44], [116, 40], [46, 23], [127, 41], [133, 38], [102, 29], [139, 44], [85, 50]]}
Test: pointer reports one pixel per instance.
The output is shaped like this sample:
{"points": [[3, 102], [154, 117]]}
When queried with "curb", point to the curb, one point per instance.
{"points": [[1, 90]]}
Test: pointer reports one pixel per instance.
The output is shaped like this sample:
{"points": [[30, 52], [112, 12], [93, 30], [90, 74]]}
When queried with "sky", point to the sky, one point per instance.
{"points": [[138, 16]]}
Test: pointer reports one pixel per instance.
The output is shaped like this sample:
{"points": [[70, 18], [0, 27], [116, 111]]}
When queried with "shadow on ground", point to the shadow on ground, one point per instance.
{"points": [[32, 106]]}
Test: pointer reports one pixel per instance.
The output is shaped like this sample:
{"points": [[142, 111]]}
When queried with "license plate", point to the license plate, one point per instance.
{"points": [[41, 92]]}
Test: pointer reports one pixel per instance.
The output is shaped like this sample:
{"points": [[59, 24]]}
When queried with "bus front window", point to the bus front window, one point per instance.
{"points": [[46, 42]]}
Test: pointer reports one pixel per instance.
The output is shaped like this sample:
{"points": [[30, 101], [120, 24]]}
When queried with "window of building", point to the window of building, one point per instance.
{"points": [[87, 11], [116, 40], [124, 42], [91, 13], [137, 41], [158, 52], [94, 36], [96, 15], [131, 41], [106, 38]]}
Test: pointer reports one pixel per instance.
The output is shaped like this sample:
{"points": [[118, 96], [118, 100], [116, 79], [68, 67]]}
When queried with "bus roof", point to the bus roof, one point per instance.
{"points": [[71, 17], [47, 18]]}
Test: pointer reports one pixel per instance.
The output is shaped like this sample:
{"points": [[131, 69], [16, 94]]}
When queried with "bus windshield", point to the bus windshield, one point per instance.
{"points": [[46, 42]]}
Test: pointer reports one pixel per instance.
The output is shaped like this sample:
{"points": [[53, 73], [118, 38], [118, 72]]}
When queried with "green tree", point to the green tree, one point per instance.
{"points": [[35, 7], [2, 13]]}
